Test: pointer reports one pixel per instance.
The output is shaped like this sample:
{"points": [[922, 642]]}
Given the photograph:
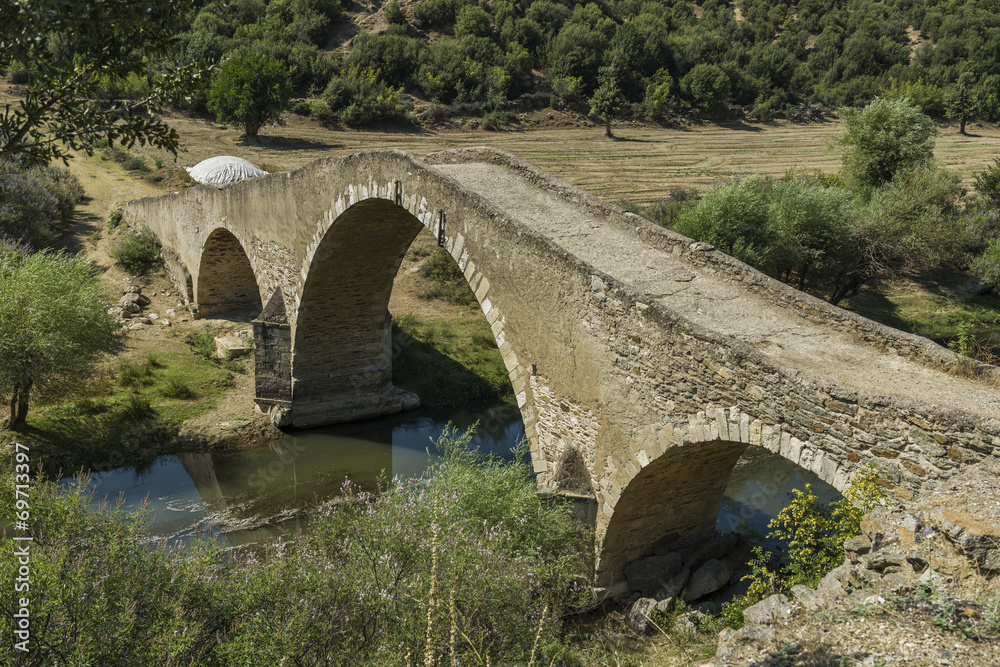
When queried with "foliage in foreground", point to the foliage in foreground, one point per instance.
{"points": [[33, 199], [54, 320], [466, 564], [815, 533]]}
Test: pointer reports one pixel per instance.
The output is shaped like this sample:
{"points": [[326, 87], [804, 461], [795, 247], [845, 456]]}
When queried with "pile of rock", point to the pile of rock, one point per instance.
{"points": [[912, 589], [714, 569], [133, 302]]}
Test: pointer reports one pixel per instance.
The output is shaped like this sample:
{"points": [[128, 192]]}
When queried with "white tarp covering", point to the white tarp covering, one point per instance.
{"points": [[224, 169]]}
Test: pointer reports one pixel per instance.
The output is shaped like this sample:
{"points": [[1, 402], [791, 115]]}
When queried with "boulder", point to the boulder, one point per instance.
{"points": [[131, 307], [767, 611], [856, 546], [651, 575], [713, 549], [667, 594], [638, 615], [809, 598], [707, 579]]}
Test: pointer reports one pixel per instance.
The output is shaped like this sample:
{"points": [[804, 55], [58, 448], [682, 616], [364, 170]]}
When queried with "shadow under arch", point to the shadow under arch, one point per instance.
{"points": [[342, 336], [226, 282], [674, 501]]}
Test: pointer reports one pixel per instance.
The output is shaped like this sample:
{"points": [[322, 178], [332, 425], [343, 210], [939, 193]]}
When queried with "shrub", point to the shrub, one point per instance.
{"points": [[27, 208], [659, 95], [988, 184], [137, 251], [464, 564], [175, 388], [735, 218], [449, 283], [884, 138], [393, 14], [707, 87], [360, 97], [251, 90]]}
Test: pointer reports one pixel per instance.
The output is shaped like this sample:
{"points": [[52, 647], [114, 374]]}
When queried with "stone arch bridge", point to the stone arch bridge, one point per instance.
{"points": [[643, 363]]}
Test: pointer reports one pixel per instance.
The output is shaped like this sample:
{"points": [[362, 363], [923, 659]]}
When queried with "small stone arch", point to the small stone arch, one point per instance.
{"points": [[225, 280], [670, 488]]}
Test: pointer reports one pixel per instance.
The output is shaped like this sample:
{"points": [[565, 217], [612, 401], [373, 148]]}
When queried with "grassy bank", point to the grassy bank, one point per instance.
{"points": [[126, 412]]}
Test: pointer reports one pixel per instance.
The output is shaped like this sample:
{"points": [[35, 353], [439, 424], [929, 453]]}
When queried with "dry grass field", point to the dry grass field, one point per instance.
{"points": [[644, 162]]}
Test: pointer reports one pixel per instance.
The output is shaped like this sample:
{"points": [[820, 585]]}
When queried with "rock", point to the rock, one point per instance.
{"points": [[708, 608], [117, 312], [856, 546], [143, 320], [976, 538], [809, 598], [231, 347], [131, 307], [732, 643], [136, 326], [836, 580], [164, 323], [638, 615], [715, 548], [142, 299], [153, 316], [707, 579], [132, 289], [688, 623], [651, 575], [667, 594], [767, 610], [170, 313], [884, 562], [280, 417]]}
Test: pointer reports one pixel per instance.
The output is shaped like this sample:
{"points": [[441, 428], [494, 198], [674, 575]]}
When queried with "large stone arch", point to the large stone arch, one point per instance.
{"points": [[226, 281]]}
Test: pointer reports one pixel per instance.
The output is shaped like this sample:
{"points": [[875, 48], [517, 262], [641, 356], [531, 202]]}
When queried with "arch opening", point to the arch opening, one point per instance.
{"points": [[226, 282], [342, 349], [344, 352]]}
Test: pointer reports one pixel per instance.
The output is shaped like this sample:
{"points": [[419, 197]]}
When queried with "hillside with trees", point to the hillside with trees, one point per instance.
{"points": [[759, 58]]}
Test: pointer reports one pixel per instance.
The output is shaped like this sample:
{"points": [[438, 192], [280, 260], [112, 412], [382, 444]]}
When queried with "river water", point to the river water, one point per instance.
{"points": [[246, 496]]}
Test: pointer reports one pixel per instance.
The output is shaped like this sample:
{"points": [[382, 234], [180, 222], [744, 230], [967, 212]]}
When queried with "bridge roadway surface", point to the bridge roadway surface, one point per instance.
{"points": [[705, 297]]}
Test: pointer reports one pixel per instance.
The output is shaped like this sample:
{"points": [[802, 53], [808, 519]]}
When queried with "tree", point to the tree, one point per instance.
{"points": [[707, 86], [963, 102], [54, 320], [61, 109], [607, 103], [885, 137], [251, 91]]}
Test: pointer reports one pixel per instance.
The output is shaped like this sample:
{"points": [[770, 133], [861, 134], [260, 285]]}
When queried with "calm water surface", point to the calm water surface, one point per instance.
{"points": [[249, 495]]}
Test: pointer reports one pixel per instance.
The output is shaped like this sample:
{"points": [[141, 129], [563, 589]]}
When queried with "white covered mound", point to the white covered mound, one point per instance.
{"points": [[224, 169]]}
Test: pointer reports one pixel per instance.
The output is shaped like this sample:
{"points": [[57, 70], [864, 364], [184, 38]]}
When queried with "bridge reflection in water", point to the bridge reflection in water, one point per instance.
{"points": [[250, 495]]}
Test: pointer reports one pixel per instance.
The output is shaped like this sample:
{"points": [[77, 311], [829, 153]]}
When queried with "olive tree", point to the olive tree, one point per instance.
{"points": [[251, 91], [607, 103], [62, 109], [54, 320]]}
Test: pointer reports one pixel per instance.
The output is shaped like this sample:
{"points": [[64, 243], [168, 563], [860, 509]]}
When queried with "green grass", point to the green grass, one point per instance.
{"points": [[939, 309], [448, 363], [127, 415]]}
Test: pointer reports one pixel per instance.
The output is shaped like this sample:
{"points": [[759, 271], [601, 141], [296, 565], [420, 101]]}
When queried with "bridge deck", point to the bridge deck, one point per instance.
{"points": [[717, 302]]}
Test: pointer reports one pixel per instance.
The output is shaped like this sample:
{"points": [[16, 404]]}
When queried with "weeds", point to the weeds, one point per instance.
{"points": [[203, 342], [138, 252], [449, 283], [179, 389]]}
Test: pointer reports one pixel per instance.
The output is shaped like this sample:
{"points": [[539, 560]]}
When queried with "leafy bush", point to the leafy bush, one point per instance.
{"points": [[815, 535], [137, 251], [465, 564], [33, 199], [449, 283], [359, 97], [735, 218], [707, 87], [988, 184], [885, 137], [393, 14]]}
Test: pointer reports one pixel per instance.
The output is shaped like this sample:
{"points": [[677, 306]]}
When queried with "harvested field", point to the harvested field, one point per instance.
{"points": [[643, 163]]}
